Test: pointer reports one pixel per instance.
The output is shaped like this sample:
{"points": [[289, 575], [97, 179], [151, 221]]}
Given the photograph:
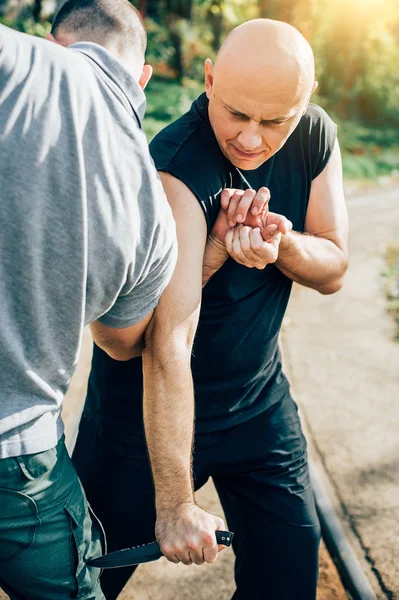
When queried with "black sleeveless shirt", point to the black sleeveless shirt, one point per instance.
{"points": [[236, 361]]}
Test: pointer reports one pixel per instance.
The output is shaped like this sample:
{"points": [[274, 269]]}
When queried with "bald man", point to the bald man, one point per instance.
{"points": [[251, 140]]}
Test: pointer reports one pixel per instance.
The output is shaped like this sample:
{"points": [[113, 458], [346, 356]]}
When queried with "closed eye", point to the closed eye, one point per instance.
{"points": [[239, 116]]}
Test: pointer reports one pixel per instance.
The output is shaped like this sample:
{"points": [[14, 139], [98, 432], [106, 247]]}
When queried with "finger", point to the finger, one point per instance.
{"points": [[266, 251], [228, 240], [268, 232], [237, 251], [232, 209], [196, 558], [185, 558], [244, 205], [260, 201], [172, 558], [196, 549], [211, 554], [282, 222], [245, 242], [227, 194]]}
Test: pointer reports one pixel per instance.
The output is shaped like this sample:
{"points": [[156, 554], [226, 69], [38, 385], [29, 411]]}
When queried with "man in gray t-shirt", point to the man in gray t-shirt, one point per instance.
{"points": [[86, 236]]}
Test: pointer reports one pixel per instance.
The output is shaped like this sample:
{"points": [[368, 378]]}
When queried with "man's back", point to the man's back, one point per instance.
{"points": [[74, 170]]}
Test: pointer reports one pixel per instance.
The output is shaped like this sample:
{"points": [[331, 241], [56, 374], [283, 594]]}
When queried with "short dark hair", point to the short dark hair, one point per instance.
{"points": [[97, 20]]}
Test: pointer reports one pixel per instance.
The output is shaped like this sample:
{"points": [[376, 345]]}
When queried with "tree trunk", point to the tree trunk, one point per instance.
{"points": [[37, 10], [143, 8], [177, 42], [215, 19]]}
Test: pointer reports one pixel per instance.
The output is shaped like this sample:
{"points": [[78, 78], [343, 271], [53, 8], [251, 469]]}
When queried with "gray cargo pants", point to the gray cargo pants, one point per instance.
{"points": [[46, 532]]}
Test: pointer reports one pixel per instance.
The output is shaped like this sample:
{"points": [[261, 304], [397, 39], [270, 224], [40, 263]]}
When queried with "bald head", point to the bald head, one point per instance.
{"points": [[270, 59], [258, 90]]}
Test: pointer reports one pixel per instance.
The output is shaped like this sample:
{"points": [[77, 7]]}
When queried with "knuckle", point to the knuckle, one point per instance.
{"points": [[208, 539], [211, 559]]}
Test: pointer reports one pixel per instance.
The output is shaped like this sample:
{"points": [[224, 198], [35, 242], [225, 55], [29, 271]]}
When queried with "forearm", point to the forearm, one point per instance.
{"points": [[214, 258], [169, 419], [312, 261]]}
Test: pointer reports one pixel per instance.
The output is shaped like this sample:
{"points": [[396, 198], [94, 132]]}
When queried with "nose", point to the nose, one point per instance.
{"points": [[250, 138]]}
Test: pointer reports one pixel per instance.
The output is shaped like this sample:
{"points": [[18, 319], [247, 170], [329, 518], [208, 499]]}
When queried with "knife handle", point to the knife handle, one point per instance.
{"points": [[224, 537]]}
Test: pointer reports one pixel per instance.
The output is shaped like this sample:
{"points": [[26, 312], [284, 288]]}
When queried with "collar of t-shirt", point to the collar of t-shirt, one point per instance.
{"points": [[123, 83]]}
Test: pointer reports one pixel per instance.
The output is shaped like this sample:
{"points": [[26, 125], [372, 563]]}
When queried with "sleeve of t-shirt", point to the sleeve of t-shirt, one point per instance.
{"points": [[181, 154], [8, 52], [323, 134], [155, 257]]}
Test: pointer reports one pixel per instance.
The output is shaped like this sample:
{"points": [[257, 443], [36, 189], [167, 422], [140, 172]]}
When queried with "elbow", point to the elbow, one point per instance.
{"points": [[334, 286], [162, 342], [124, 353], [331, 288]]}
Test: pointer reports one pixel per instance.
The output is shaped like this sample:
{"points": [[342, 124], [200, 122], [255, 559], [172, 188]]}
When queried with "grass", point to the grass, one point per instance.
{"points": [[166, 101], [391, 282], [367, 152]]}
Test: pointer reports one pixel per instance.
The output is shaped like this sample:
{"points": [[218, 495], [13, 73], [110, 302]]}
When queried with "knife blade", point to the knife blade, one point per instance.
{"points": [[142, 554]]}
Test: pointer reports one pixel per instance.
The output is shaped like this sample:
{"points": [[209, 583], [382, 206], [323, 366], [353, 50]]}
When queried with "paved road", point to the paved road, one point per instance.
{"points": [[344, 366]]}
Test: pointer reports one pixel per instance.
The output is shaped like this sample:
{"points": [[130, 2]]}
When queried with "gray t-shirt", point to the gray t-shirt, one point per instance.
{"points": [[85, 228]]}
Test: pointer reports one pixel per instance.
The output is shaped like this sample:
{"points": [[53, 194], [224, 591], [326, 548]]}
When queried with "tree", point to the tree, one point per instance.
{"points": [[37, 10]]}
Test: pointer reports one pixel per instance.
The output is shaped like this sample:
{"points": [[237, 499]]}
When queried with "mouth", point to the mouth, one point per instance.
{"points": [[245, 155]]}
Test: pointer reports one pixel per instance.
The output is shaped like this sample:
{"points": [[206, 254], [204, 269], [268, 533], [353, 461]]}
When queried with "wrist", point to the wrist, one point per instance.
{"points": [[288, 246], [217, 244], [168, 503]]}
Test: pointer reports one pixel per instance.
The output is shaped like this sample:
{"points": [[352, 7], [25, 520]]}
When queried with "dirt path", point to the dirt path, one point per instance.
{"points": [[344, 366]]}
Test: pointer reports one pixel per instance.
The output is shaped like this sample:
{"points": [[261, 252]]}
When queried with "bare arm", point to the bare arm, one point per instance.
{"points": [[120, 344], [319, 258], [183, 529], [214, 258]]}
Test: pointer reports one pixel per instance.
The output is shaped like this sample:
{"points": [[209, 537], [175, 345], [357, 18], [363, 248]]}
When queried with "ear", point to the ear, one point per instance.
{"points": [[146, 75], [314, 88], [62, 40], [208, 77], [51, 38]]}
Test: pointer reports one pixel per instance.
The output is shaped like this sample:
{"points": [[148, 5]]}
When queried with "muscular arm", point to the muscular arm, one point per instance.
{"points": [[319, 258], [120, 344], [168, 386], [214, 258]]}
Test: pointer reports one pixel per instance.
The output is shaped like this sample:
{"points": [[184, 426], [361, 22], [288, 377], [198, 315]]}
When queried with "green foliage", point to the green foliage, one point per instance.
{"points": [[368, 151], [28, 26], [166, 102], [356, 45]]}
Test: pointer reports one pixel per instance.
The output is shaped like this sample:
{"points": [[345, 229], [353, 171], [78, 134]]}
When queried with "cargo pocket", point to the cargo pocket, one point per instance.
{"points": [[86, 542], [19, 520]]}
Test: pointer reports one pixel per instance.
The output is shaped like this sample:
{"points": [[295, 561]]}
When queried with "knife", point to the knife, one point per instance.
{"points": [[143, 554]]}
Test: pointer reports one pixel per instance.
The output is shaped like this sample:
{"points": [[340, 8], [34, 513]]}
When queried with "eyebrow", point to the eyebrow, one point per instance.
{"points": [[240, 114]]}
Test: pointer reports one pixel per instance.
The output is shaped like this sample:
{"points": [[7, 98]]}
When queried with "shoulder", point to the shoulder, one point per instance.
{"points": [[316, 121], [318, 134], [188, 150]]}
